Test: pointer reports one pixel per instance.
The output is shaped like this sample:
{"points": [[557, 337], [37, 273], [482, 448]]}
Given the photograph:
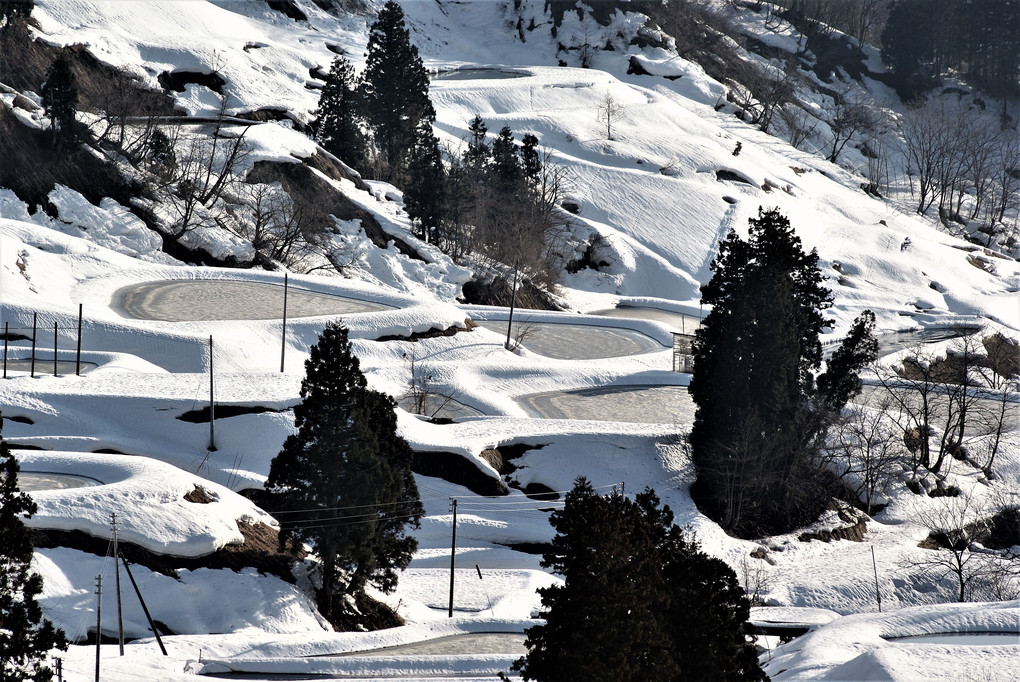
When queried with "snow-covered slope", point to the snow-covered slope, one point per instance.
{"points": [[652, 192]]}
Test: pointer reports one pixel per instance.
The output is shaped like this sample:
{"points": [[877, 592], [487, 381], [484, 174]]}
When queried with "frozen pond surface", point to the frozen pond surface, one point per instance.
{"points": [[35, 481], [474, 643], [44, 366], [635, 404], [189, 300], [477, 74], [575, 341], [965, 638], [682, 323]]}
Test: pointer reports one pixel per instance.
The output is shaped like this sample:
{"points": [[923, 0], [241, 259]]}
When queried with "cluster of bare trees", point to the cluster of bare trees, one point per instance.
{"points": [[958, 160], [862, 19], [942, 402]]}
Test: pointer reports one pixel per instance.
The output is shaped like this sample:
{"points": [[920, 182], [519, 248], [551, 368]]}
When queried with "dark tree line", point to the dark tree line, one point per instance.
{"points": [[761, 415], [923, 40], [640, 600], [25, 636]]}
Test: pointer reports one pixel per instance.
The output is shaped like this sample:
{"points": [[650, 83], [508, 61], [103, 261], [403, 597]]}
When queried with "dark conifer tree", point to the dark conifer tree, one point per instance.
{"points": [[60, 102], [395, 90], [639, 601], [757, 427], [424, 191], [347, 463], [25, 636], [338, 127], [478, 154], [10, 9], [505, 169]]}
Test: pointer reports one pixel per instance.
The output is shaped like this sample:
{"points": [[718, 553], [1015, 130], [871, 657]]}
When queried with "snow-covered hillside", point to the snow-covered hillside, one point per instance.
{"points": [[660, 194]]}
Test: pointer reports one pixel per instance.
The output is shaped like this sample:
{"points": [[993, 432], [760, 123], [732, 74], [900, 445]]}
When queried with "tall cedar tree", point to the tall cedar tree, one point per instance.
{"points": [[639, 601], [25, 636], [338, 128], [395, 91], [347, 463], [60, 101], [759, 418]]}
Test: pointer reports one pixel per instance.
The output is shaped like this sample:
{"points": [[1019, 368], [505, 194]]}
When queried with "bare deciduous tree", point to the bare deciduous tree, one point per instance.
{"points": [[868, 450], [948, 553], [610, 111]]}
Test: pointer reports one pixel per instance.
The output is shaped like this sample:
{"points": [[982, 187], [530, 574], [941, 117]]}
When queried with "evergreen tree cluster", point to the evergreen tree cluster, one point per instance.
{"points": [[500, 203], [496, 200], [377, 121], [25, 636], [761, 416], [923, 40], [640, 600], [343, 482]]}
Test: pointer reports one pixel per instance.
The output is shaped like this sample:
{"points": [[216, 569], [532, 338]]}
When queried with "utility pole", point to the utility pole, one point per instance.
{"points": [[283, 341], [35, 317], [453, 554], [120, 612], [7, 335], [212, 401], [58, 664], [99, 619], [54, 348], [878, 593], [77, 356], [513, 301]]}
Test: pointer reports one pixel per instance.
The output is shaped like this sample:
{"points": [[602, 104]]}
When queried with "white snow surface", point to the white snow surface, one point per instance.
{"points": [[651, 192]]}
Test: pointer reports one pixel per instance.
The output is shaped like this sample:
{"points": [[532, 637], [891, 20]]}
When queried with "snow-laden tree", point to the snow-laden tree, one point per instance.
{"points": [[343, 482], [25, 636]]}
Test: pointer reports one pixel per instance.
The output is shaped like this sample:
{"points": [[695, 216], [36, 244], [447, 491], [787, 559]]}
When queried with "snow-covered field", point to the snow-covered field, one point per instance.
{"points": [[148, 320]]}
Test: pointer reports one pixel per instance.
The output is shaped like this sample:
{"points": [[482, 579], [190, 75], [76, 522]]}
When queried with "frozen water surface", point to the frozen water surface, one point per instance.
{"points": [[229, 300]]}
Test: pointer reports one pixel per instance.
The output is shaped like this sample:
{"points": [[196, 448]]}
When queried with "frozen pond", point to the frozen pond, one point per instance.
{"points": [[188, 300], [635, 404], [473, 643], [686, 324], [575, 341], [44, 366], [964, 638], [35, 481], [477, 74]]}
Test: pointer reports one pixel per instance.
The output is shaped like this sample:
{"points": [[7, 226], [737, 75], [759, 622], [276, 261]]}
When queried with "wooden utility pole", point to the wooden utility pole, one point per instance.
{"points": [[453, 554], [878, 593], [120, 612], [212, 401], [77, 357], [513, 301], [283, 340], [99, 619], [34, 321]]}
